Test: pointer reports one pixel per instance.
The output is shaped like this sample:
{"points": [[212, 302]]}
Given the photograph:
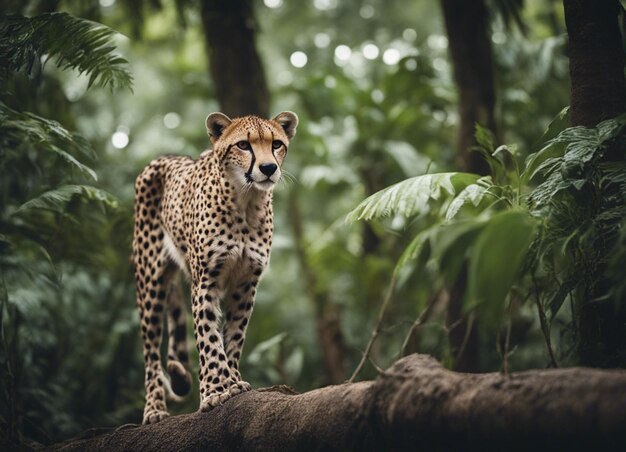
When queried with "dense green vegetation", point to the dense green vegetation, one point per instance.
{"points": [[374, 212]]}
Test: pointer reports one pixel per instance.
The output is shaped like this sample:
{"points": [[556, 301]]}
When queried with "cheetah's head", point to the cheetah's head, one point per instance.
{"points": [[251, 149]]}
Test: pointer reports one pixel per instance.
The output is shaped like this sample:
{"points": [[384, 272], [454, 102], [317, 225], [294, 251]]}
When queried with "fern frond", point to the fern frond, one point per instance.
{"points": [[72, 42], [43, 135], [411, 196]]}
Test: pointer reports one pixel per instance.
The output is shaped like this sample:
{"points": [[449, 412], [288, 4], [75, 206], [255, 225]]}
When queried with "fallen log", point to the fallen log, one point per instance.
{"points": [[415, 404]]}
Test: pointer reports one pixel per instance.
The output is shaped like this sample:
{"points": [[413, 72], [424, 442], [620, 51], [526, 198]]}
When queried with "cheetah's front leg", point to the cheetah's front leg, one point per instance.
{"points": [[239, 309], [215, 375]]}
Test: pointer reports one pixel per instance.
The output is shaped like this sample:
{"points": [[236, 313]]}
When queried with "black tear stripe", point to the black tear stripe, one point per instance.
{"points": [[249, 172], [274, 150]]}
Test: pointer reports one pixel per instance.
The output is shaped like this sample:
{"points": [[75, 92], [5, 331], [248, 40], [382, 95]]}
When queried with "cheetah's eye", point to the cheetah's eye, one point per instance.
{"points": [[276, 144], [244, 145]]}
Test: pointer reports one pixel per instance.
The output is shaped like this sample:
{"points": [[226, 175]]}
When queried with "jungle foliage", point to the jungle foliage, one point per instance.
{"points": [[532, 245]]}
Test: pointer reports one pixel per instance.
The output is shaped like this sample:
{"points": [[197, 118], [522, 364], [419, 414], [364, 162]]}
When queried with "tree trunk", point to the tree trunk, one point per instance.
{"points": [[234, 63], [469, 43], [596, 60], [598, 92], [415, 405]]}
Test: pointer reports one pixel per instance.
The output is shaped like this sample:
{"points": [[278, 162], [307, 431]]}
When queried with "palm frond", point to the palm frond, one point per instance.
{"points": [[473, 193], [411, 196], [72, 42]]}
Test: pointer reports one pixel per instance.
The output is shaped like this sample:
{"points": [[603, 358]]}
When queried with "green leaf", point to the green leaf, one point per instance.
{"points": [[473, 194], [411, 196], [559, 297], [485, 146], [495, 261], [445, 246], [503, 149], [557, 125], [415, 248], [484, 138], [453, 246], [583, 147], [611, 127], [74, 43], [551, 149], [535, 163], [72, 161], [57, 199], [44, 135]]}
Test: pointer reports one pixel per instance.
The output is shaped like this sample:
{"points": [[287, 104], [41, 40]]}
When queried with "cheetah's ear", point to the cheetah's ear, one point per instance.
{"points": [[215, 125], [288, 120]]}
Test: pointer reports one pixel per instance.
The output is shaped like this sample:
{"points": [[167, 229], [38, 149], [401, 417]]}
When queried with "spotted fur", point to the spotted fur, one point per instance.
{"points": [[212, 219]]}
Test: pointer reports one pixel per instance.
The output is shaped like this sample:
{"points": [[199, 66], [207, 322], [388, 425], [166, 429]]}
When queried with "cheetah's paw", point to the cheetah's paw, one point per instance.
{"points": [[214, 400], [154, 416], [239, 387], [218, 398]]}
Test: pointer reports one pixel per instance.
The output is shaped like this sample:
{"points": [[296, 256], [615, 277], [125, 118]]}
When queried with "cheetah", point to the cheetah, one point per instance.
{"points": [[212, 219]]}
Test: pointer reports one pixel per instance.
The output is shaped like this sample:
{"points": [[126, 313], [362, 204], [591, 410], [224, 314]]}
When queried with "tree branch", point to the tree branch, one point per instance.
{"points": [[416, 405]]}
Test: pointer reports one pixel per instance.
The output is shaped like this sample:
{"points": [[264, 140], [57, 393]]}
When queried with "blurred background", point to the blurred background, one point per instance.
{"points": [[386, 90]]}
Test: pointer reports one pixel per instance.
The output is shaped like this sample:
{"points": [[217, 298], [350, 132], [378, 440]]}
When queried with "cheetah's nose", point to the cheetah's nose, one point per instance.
{"points": [[268, 168]]}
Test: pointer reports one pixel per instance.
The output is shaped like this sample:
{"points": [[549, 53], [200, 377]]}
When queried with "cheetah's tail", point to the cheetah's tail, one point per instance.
{"points": [[170, 394], [179, 384]]}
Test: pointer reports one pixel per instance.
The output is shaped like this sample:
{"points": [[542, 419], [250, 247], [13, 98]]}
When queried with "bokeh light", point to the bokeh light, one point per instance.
{"points": [[438, 42], [171, 120], [325, 5], [273, 3], [391, 57], [321, 40], [120, 139], [409, 35], [343, 52], [298, 59], [367, 11], [370, 51]]}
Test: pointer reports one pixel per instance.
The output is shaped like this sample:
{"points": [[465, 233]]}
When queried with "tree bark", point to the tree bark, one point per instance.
{"points": [[469, 43], [415, 405], [596, 60], [234, 63], [598, 92]]}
